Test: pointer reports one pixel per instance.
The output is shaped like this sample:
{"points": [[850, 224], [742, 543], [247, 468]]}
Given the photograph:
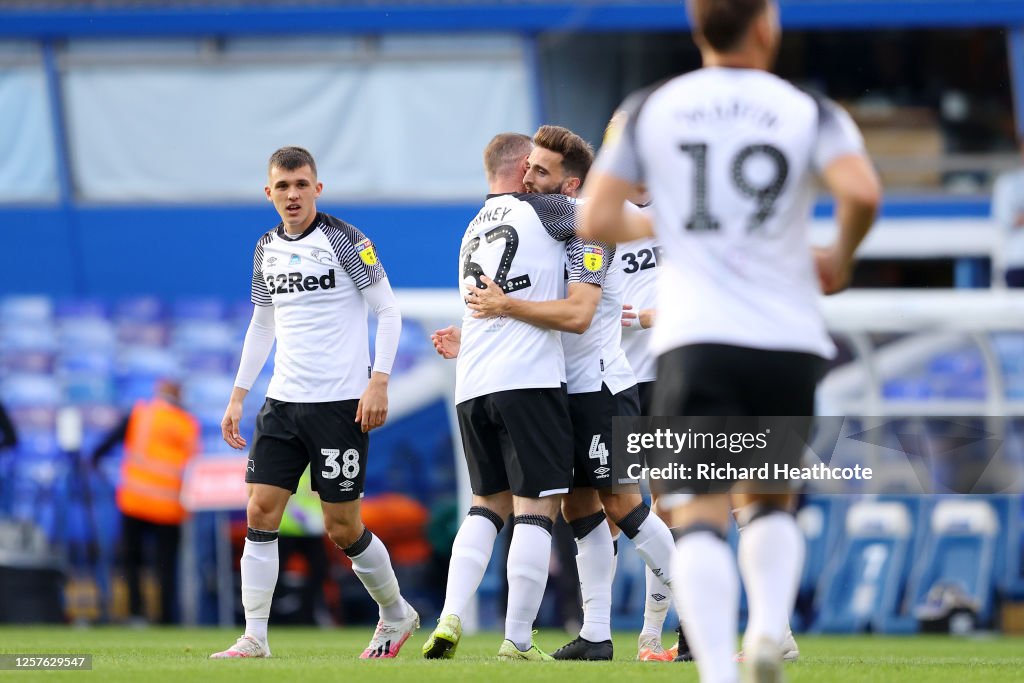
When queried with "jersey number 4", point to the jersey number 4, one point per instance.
{"points": [[472, 269], [702, 220]]}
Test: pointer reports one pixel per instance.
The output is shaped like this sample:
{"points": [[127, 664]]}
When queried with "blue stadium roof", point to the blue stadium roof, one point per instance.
{"points": [[92, 18]]}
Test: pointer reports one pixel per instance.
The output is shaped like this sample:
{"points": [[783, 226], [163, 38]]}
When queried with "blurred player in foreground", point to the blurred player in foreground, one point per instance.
{"points": [[730, 155]]}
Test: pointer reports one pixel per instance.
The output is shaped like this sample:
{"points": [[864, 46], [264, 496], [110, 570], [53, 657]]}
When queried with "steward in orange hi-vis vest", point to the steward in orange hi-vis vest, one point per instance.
{"points": [[160, 440]]}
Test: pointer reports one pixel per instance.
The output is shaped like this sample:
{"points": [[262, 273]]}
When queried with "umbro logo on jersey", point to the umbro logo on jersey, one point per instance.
{"points": [[602, 472], [286, 283], [272, 261], [658, 597], [294, 260], [320, 256]]}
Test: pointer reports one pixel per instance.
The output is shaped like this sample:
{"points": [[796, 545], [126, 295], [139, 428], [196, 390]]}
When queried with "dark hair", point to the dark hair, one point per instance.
{"points": [[723, 23], [291, 158], [577, 154], [505, 151]]}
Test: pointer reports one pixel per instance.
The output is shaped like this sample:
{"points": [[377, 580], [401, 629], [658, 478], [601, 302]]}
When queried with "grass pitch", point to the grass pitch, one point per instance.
{"points": [[306, 655]]}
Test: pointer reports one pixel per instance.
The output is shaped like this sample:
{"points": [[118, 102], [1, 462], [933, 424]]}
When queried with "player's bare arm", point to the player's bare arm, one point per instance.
{"points": [[572, 314], [853, 182], [603, 216], [232, 417]]}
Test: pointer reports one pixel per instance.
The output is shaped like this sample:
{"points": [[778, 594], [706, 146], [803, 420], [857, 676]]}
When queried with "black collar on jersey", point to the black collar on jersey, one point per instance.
{"points": [[502, 194], [317, 220]]}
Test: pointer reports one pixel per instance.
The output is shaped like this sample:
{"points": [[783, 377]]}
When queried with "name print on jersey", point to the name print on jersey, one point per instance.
{"points": [[287, 283]]}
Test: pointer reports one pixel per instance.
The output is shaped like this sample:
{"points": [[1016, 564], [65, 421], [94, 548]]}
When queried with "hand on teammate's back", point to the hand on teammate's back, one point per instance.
{"points": [[486, 302], [447, 342]]}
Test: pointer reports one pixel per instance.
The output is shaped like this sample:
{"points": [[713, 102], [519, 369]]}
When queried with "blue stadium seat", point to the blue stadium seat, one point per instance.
{"points": [[142, 333], [86, 361], [27, 348], [88, 389], [1009, 581], [30, 390], [199, 309], [28, 337], [862, 580], [821, 520], [961, 550], [26, 310], [75, 309], [908, 388], [208, 392], [207, 362], [143, 309], [205, 335], [149, 361], [87, 333]]}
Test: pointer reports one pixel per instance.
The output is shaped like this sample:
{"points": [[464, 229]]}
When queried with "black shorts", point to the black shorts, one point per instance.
{"points": [[518, 441], [325, 436], [592, 415], [723, 380], [646, 392], [718, 379]]}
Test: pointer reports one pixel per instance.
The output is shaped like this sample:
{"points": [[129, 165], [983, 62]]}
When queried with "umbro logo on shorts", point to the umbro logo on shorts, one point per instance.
{"points": [[602, 472], [658, 597], [346, 485]]}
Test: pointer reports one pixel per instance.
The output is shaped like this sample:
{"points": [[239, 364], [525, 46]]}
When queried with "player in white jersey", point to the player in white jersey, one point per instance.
{"points": [[731, 155], [601, 386], [510, 400], [314, 277]]}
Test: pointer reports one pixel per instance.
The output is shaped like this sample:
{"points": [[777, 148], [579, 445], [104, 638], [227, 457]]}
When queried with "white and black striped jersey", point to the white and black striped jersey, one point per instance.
{"points": [[638, 261], [595, 357], [313, 281], [520, 241], [729, 157]]}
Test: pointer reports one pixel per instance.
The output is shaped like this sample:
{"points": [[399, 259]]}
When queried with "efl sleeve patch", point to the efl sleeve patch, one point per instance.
{"points": [[367, 254], [593, 258]]}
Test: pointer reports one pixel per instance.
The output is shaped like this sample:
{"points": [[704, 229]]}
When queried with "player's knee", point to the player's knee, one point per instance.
{"points": [[343, 532], [577, 509], [618, 506], [263, 512]]}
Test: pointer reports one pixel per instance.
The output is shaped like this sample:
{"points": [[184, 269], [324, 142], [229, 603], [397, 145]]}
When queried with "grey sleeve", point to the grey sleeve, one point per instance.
{"points": [[837, 135], [619, 155]]}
